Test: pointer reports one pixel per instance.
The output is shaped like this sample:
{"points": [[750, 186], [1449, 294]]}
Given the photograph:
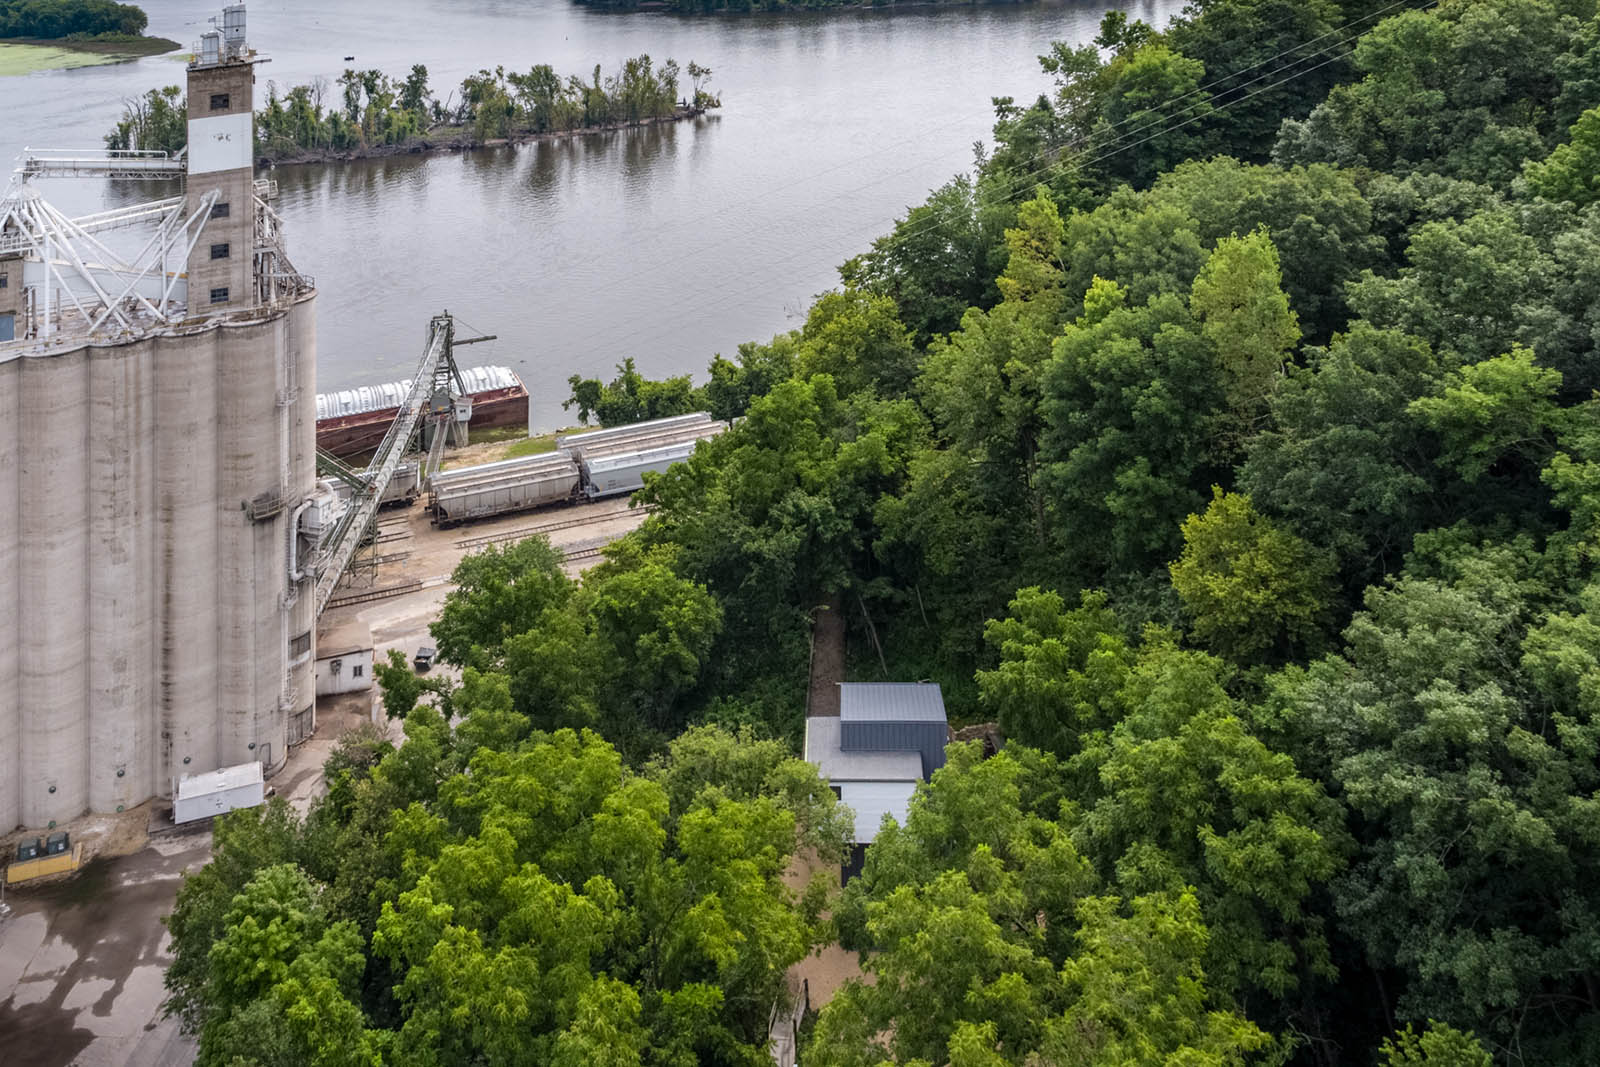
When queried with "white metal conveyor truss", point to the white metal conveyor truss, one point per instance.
{"points": [[347, 535]]}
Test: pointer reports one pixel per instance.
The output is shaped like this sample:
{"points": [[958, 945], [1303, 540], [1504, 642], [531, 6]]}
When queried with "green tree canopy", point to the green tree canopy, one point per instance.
{"points": [[1345, 462], [1465, 90], [565, 906], [631, 397], [1130, 398], [1458, 726], [994, 942], [1250, 586], [1243, 313], [498, 593]]}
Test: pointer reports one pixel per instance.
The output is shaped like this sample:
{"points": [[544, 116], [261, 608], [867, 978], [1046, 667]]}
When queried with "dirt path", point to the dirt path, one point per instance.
{"points": [[827, 658]]}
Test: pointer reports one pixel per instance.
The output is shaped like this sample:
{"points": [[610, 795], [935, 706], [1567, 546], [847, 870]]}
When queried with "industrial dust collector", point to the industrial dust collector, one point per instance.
{"points": [[157, 424]]}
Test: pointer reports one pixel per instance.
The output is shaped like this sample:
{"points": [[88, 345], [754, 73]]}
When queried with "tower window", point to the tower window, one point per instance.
{"points": [[5, 280], [299, 646], [219, 101], [219, 296], [219, 251], [219, 211]]}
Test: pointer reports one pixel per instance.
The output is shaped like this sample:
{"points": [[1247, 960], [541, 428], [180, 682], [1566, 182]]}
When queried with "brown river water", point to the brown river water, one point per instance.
{"points": [[666, 244]]}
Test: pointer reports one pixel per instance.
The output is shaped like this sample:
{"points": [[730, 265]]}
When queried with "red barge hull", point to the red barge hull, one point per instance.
{"points": [[347, 436]]}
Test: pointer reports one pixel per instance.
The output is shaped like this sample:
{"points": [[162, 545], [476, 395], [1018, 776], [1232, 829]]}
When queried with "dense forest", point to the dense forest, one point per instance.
{"points": [[1229, 436], [366, 109], [66, 18]]}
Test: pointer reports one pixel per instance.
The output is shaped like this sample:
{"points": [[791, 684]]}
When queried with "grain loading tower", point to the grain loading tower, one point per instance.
{"points": [[157, 445]]}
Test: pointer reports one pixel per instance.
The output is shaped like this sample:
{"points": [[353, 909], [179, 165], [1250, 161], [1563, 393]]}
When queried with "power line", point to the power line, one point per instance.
{"points": [[1024, 182], [1147, 119], [1026, 178]]}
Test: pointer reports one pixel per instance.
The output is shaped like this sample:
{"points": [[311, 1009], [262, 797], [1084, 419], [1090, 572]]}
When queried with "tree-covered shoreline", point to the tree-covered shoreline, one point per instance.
{"points": [[70, 19], [1231, 438], [366, 113]]}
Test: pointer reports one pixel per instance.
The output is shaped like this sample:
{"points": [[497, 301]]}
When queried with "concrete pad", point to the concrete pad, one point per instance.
{"points": [[20, 938], [81, 962]]}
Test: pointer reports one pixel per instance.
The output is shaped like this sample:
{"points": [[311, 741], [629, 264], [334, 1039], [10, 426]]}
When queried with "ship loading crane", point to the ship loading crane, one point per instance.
{"points": [[439, 407]]}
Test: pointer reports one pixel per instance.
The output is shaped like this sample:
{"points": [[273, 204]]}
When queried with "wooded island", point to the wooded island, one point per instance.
{"points": [[367, 113]]}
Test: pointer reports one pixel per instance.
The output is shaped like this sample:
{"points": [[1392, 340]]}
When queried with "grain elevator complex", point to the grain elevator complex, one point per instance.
{"points": [[157, 460]]}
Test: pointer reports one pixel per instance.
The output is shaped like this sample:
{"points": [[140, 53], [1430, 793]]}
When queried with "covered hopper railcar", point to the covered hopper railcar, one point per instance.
{"points": [[503, 487], [584, 466]]}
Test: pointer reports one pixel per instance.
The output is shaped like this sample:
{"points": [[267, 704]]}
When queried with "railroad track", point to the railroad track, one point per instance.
{"points": [[547, 527], [575, 554], [590, 549], [365, 596], [382, 593]]}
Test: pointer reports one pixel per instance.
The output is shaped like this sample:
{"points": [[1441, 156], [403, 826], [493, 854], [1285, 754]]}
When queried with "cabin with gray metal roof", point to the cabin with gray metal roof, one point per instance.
{"points": [[887, 737]]}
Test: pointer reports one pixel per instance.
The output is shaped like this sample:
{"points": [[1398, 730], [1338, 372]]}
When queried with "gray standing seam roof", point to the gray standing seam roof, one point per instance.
{"points": [[891, 702]]}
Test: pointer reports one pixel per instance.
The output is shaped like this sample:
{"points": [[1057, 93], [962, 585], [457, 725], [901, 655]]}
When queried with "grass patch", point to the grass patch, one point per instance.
{"points": [[505, 442], [531, 446], [499, 433], [21, 55]]}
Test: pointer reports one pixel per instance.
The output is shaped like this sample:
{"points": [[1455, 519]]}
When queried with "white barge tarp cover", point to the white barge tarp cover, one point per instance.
{"points": [[391, 394]]}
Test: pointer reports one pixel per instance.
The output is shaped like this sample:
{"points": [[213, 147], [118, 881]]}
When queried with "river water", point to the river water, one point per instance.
{"points": [[666, 244]]}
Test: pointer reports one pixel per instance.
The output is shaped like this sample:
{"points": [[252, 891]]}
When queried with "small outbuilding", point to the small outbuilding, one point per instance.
{"points": [[344, 658], [215, 792], [887, 737]]}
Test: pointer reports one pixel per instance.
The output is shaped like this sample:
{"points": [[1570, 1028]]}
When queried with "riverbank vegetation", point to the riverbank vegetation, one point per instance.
{"points": [[367, 112], [54, 19], [28, 55], [1230, 438], [55, 34]]}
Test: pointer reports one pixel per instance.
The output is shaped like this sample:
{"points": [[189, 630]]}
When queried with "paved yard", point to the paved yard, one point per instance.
{"points": [[81, 962]]}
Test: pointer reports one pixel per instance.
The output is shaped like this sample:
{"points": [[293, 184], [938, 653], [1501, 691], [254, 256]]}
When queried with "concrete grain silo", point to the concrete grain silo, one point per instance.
{"points": [[157, 441]]}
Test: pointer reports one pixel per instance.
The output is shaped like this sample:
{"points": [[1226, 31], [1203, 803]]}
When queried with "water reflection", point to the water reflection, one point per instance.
{"points": [[577, 251]]}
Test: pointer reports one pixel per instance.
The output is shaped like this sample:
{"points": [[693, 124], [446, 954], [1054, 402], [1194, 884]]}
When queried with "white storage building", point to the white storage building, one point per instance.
{"points": [[344, 658], [200, 796]]}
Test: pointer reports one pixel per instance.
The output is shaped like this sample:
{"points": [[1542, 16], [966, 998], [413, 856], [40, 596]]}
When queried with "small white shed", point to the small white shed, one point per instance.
{"points": [[214, 792], [344, 658]]}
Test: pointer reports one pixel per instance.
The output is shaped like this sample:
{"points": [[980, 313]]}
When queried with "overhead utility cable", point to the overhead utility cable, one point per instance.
{"points": [[1023, 183], [1048, 154]]}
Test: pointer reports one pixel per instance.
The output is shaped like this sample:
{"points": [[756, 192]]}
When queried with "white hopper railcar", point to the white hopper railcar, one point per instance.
{"points": [[610, 473], [592, 439], [498, 488]]}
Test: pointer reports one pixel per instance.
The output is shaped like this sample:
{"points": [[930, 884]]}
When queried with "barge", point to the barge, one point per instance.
{"points": [[352, 422]]}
